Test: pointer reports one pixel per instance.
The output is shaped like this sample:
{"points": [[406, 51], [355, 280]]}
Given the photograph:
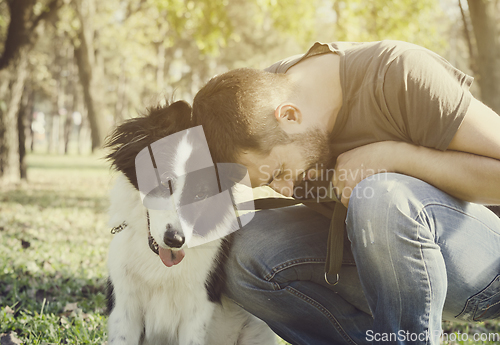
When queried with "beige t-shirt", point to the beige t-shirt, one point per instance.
{"points": [[393, 90]]}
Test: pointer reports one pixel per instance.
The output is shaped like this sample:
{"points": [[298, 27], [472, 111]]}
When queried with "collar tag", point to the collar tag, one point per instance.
{"points": [[119, 228]]}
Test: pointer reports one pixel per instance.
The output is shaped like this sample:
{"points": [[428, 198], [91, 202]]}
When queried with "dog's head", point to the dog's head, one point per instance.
{"points": [[135, 134], [168, 161], [126, 142]]}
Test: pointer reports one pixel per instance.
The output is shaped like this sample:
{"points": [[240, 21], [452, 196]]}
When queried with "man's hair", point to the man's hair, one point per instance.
{"points": [[236, 110]]}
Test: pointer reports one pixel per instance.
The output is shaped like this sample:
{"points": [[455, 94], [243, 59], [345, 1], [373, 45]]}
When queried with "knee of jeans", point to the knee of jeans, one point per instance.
{"points": [[276, 247], [244, 267], [375, 198]]}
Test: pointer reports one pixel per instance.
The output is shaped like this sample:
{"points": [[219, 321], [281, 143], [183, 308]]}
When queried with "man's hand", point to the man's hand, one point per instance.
{"points": [[362, 162]]}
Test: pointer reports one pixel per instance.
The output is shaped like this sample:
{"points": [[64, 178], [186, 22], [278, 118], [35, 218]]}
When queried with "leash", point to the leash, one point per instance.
{"points": [[329, 206]]}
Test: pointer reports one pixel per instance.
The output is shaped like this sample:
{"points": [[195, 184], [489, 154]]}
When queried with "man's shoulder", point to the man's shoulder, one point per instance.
{"points": [[385, 50], [399, 45], [284, 65], [388, 49]]}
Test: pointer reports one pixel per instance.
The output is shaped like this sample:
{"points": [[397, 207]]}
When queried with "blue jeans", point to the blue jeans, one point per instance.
{"points": [[421, 256]]}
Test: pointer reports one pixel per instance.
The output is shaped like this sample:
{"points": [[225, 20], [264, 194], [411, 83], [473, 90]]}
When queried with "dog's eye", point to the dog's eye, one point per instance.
{"points": [[168, 184]]}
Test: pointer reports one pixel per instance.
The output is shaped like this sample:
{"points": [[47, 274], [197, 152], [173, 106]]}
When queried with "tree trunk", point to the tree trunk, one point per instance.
{"points": [[70, 96], [25, 112], [468, 39], [84, 53], [85, 75], [30, 129], [482, 13], [9, 142], [22, 26], [21, 36], [20, 12]]}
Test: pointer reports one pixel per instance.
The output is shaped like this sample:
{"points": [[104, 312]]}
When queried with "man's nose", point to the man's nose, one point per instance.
{"points": [[282, 186]]}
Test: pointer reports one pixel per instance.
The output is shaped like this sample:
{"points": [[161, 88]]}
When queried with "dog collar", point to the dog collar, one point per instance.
{"points": [[151, 241], [119, 228]]}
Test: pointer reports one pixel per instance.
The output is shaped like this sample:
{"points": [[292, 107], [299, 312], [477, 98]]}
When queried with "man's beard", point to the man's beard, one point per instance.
{"points": [[315, 148]]}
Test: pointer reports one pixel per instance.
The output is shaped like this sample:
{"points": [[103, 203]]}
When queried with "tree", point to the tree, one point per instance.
{"points": [[413, 21], [25, 110], [483, 15], [84, 55], [21, 36], [127, 51]]}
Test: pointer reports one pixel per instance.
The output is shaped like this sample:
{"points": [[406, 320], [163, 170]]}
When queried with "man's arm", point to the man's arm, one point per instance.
{"points": [[469, 169], [479, 132]]}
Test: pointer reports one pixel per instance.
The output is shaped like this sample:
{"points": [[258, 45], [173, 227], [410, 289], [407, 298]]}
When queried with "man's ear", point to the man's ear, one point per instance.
{"points": [[288, 113]]}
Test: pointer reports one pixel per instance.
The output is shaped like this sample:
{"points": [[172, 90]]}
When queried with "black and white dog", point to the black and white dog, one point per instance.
{"points": [[162, 290]]}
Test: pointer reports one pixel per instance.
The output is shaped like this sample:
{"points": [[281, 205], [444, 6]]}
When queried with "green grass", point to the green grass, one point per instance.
{"points": [[53, 251]]}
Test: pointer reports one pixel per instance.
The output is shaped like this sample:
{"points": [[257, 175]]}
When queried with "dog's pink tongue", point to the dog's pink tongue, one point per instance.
{"points": [[170, 257]]}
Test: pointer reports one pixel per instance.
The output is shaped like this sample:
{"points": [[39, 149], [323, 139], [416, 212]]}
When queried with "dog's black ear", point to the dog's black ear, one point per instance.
{"points": [[128, 139]]}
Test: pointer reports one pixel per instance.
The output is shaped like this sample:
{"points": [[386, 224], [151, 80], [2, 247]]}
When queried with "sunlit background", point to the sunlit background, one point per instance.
{"points": [[91, 64]]}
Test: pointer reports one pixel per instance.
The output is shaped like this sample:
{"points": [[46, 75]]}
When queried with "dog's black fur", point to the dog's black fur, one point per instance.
{"points": [[133, 135]]}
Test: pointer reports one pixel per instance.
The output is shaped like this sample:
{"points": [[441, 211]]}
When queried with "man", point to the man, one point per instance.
{"points": [[415, 154]]}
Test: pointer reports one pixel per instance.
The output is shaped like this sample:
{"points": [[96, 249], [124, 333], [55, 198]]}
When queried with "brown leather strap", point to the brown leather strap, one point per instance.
{"points": [[335, 249], [323, 205]]}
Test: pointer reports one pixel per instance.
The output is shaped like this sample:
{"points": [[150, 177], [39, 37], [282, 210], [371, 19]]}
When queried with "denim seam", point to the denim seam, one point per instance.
{"points": [[400, 312], [465, 308], [323, 310], [471, 299], [296, 262], [454, 209], [428, 299], [494, 304], [276, 286]]}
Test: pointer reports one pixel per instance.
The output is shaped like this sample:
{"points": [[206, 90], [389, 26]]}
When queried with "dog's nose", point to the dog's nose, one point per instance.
{"points": [[173, 238]]}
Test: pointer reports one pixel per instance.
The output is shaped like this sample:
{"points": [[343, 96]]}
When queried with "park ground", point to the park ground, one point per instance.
{"points": [[53, 250]]}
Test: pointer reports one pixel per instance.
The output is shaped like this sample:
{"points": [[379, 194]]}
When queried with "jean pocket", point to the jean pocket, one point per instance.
{"points": [[484, 305]]}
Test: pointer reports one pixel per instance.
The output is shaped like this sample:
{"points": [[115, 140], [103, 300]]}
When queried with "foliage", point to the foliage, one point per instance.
{"points": [[415, 21], [144, 49], [25, 18], [4, 21], [153, 46]]}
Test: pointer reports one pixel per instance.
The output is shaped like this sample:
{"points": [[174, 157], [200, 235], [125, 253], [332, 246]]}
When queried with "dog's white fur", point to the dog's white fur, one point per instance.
{"points": [[155, 304]]}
